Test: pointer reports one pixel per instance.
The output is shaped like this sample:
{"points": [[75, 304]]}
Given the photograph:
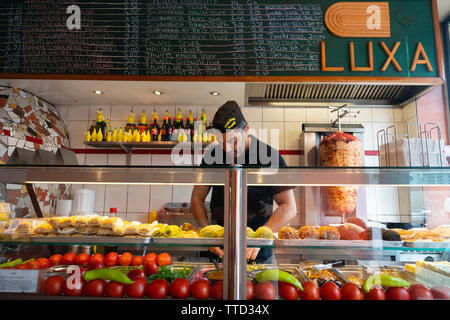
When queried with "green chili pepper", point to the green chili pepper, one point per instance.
{"points": [[28, 261], [278, 275], [385, 281], [107, 274], [12, 263]]}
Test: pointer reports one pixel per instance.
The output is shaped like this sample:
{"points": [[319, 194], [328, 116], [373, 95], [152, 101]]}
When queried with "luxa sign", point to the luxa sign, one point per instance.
{"points": [[396, 53]]}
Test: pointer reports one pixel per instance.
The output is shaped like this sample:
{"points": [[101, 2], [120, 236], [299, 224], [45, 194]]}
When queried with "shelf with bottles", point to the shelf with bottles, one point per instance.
{"points": [[150, 134]]}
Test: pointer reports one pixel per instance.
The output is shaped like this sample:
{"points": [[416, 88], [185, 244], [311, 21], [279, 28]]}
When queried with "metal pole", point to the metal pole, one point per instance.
{"points": [[235, 236]]}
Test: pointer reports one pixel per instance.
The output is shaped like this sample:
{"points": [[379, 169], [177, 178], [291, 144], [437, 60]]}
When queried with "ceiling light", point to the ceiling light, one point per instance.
{"points": [[98, 92], [158, 93], [214, 93]]}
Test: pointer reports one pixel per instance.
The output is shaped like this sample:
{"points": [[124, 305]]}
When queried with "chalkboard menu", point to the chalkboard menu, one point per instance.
{"points": [[191, 38]]}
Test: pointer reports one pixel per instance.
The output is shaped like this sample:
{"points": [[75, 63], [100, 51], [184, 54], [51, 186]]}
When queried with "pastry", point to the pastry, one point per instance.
{"points": [[81, 221], [104, 232], [263, 232], [67, 231], [250, 232], [94, 221], [188, 227], [92, 229], [211, 231], [146, 229], [44, 228], [118, 230], [287, 233], [329, 233], [308, 232], [132, 227], [111, 222]]}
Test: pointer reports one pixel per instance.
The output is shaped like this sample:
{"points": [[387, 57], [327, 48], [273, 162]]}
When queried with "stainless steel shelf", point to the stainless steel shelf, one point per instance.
{"points": [[365, 176], [112, 175], [288, 176]]}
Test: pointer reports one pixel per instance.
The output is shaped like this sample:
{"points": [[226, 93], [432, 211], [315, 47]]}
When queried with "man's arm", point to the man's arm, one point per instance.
{"points": [[286, 210], [198, 208]]}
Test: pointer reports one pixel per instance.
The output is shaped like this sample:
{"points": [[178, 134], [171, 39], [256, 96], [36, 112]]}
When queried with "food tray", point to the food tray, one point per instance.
{"points": [[91, 239], [259, 242], [427, 244], [337, 243]]}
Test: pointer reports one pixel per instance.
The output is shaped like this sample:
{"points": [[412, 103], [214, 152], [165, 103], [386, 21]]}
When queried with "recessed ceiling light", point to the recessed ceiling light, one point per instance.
{"points": [[158, 93], [214, 93], [98, 92]]}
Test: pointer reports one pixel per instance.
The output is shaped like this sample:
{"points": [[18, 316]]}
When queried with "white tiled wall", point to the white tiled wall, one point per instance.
{"points": [[134, 202]]}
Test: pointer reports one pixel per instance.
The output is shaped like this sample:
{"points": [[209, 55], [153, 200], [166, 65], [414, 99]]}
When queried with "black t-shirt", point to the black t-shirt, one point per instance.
{"points": [[259, 199]]}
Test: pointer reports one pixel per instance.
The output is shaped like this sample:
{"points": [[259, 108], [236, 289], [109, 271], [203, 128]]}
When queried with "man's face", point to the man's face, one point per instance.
{"points": [[233, 141]]}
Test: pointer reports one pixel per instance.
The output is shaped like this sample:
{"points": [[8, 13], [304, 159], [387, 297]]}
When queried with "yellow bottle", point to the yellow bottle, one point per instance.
{"points": [[94, 135], [115, 136], [99, 136], [205, 137], [109, 137], [130, 136], [125, 137], [180, 137], [159, 136], [137, 136], [195, 137], [189, 117], [88, 136], [120, 135], [143, 136], [185, 137], [152, 216]]}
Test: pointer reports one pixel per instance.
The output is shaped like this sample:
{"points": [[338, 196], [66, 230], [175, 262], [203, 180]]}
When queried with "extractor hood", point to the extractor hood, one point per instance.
{"points": [[391, 94]]}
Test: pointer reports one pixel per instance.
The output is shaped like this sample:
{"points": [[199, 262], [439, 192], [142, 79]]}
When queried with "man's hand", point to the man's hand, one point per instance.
{"points": [[217, 251], [252, 253]]}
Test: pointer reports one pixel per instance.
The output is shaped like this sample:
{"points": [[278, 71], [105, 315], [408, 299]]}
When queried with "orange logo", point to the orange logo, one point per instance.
{"points": [[359, 19]]}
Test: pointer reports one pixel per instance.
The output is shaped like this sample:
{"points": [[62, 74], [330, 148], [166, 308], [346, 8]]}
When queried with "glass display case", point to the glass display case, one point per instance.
{"points": [[356, 247]]}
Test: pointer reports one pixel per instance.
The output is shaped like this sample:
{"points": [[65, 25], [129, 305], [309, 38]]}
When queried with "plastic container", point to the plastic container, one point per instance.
{"points": [[83, 202], [63, 207]]}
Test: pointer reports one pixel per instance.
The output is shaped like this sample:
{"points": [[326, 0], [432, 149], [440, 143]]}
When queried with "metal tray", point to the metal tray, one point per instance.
{"points": [[337, 243], [260, 242], [427, 244], [91, 239]]}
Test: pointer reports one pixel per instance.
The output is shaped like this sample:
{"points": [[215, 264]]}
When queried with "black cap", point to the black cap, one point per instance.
{"points": [[228, 117]]}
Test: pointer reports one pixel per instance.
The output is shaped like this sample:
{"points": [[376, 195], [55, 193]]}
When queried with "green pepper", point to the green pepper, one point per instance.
{"points": [[107, 274], [278, 275], [25, 262], [385, 281], [12, 263]]}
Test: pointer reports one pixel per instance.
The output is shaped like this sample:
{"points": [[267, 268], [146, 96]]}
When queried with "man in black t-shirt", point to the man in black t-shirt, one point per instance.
{"points": [[236, 146]]}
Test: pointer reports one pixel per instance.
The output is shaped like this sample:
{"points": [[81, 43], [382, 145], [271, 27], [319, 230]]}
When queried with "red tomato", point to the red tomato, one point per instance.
{"points": [[397, 293], [97, 258], [55, 260], [82, 259], [136, 274], [125, 259], [179, 288], [150, 257], [376, 293], [163, 259], [137, 260], [137, 289], [112, 259], [22, 266], [351, 291], [250, 290], [265, 291], [150, 268], [44, 263], [330, 291], [74, 291], [158, 289], [217, 290], [115, 289], [54, 285], [287, 291], [95, 265], [95, 288], [310, 291], [200, 289], [33, 265], [69, 258], [420, 292]]}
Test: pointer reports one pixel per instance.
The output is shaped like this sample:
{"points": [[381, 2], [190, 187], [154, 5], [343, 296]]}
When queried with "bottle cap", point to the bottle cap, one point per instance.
{"points": [[112, 210]]}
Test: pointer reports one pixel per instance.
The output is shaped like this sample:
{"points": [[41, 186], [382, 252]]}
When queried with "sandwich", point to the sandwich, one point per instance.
{"points": [[132, 227]]}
